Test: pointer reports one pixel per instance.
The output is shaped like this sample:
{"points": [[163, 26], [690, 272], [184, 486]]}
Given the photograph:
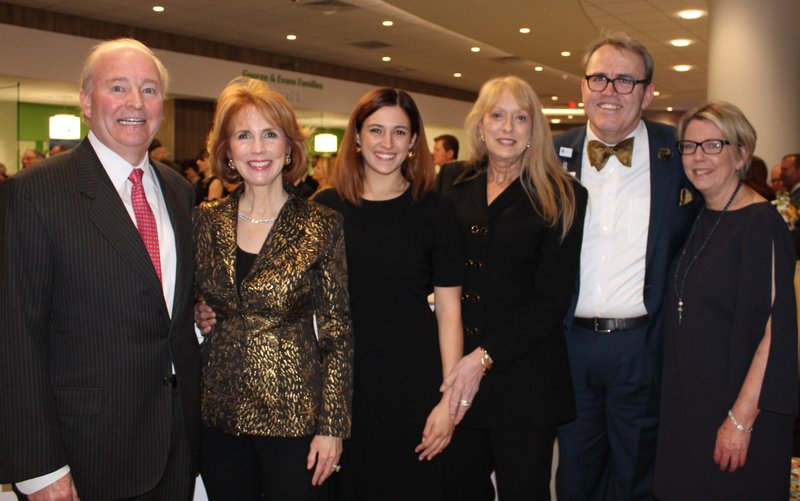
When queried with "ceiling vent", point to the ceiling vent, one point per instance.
{"points": [[508, 59], [371, 44], [326, 6]]}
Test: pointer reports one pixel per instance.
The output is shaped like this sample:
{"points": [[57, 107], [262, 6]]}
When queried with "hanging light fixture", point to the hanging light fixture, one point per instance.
{"points": [[325, 143], [64, 126]]}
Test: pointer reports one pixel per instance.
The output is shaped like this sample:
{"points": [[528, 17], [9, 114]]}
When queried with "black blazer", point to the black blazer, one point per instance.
{"points": [[86, 340], [520, 278], [674, 203]]}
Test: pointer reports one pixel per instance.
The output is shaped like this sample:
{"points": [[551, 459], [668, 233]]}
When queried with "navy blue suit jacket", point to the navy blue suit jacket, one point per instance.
{"points": [[671, 215]]}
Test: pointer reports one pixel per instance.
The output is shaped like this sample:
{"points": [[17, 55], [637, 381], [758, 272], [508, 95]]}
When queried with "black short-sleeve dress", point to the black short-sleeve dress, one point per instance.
{"points": [[727, 302], [397, 251]]}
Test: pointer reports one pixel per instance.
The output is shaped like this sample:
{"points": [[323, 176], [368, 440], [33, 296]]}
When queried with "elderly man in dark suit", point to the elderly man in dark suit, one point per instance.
{"points": [[98, 358], [640, 207]]}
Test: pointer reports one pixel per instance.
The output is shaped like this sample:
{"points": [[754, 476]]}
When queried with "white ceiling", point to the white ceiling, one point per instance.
{"points": [[430, 39]]}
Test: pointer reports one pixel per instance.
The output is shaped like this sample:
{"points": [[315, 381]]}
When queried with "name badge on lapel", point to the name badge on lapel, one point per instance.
{"points": [[565, 152]]}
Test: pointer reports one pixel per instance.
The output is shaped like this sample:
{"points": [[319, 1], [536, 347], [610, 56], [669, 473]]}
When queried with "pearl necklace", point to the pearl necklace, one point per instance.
{"points": [[249, 219], [680, 290]]}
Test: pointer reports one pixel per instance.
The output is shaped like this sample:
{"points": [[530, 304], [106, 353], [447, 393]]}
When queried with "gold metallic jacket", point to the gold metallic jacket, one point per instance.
{"points": [[265, 372]]}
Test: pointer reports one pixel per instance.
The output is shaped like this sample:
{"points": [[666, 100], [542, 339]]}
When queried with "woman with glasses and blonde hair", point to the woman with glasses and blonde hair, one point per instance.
{"points": [[730, 347], [521, 218]]}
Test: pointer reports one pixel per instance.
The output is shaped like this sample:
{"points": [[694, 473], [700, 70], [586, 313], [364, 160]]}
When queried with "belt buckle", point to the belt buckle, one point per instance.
{"points": [[597, 328]]}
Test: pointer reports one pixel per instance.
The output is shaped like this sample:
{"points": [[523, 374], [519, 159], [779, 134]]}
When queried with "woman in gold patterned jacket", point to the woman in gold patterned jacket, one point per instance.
{"points": [[277, 366]]}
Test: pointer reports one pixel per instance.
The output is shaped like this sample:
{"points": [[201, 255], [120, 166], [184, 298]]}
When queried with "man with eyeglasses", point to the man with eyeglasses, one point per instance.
{"points": [[640, 207]]}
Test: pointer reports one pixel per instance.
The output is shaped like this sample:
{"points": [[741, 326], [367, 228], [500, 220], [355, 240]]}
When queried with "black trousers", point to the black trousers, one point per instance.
{"points": [[520, 457], [249, 468]]}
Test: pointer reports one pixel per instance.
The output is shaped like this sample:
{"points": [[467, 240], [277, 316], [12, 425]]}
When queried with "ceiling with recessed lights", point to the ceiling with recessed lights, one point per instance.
{"points": [[453, 43]]}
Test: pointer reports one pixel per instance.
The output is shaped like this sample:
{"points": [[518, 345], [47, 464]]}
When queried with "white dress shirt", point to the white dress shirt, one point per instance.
{"points": [[118, 169], [615, 233]]}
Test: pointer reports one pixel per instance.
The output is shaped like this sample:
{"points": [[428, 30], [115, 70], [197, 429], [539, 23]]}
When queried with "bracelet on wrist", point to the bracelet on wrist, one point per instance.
{"points": [[486, 361], [737, 424]]}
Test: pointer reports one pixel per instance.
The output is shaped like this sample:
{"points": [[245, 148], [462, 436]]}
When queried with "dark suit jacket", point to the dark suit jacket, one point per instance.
{"points": [[671, 216], [519, 282], [86, 340]]}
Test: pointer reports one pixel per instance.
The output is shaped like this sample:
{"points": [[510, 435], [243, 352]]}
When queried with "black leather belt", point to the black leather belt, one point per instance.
{"points": [[609, 325]]}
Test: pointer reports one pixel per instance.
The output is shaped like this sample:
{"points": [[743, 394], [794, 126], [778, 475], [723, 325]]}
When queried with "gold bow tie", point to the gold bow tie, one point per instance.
{"points": [[599, 153]]}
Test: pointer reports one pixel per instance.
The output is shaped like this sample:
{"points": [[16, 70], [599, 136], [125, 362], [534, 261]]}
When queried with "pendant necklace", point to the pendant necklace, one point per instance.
{"points": [[249, 219], [679, 290]]}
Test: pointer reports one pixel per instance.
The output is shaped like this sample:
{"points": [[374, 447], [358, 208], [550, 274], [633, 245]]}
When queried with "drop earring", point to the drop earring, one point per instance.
{"points": [[288, 159], [410, 154], [231, 165]]}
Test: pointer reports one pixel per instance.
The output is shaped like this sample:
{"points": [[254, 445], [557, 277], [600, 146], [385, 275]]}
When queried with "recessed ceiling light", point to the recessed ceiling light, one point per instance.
{"points": [[566, 53], [525, 31], [388, 23], [291, 37], [580, 105], [475, 49], [681, 42], [158, 8], [554, 98], [555, 120], [656, 93], [669, 108], [538, 68], [386, 59], [691, 14], [682, 67], [570, 117], [457, 74]]}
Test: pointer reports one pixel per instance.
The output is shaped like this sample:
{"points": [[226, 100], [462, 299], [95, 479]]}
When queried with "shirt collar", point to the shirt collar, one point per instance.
{"points": [[117, 168]]}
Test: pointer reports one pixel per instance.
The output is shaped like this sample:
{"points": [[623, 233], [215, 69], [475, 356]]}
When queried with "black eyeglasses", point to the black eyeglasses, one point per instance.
{"points": [[709, 146], [623, 85]]}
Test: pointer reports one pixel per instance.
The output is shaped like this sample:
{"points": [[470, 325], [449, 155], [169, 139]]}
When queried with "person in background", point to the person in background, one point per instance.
{"points": [[277, 366], [775, 179], [790, 175], [58, 148], [402, 244], [521, 219], [322, 172], [190, 173], [30, 157], [756, 178], [98, 356], [209, 187], [640, 207], [445, 150], [730, 377]]}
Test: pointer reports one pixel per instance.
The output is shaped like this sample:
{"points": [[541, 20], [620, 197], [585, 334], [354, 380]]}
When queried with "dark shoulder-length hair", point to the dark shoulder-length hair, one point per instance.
{"points": [[417, 169], [243, 92]]}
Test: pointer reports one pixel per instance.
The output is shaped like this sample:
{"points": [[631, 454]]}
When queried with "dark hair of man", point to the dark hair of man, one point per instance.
{"points": [[449, 142]]}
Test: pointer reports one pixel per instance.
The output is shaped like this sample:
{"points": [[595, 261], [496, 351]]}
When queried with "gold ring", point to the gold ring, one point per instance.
{"points": [[465, 402]]}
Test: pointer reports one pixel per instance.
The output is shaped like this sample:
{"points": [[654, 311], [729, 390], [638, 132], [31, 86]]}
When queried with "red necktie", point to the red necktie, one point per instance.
{"points": [[145, 222]]}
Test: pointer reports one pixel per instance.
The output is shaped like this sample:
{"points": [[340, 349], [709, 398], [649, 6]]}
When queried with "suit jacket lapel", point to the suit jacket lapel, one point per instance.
{"points": [[181, 228], [109, 215], [661, 186], [572, 153]]}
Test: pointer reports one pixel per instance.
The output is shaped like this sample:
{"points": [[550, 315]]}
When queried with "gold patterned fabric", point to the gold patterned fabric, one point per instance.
{"points": [[265, 372]]}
